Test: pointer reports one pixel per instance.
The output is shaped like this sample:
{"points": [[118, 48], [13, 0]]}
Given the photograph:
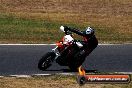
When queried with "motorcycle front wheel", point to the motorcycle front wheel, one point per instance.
{"points": [[46, 61]]}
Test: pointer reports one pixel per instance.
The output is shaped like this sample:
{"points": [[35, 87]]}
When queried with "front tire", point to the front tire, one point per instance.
{"points": [[46, 60]]}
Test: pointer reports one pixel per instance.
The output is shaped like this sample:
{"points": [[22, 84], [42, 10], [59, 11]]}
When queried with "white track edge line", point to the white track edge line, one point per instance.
{"points": [[20, 76], [25, 44], [41, 74], [65, 74], [1, 76], [124, 72], [43, 44]]}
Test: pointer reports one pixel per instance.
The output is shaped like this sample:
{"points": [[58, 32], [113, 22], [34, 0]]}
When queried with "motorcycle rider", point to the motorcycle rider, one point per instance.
{"points": [[71, 52], [90, 41]]}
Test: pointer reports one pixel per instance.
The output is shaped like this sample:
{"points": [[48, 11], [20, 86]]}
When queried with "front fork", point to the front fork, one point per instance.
{"points": [[56, 52]]}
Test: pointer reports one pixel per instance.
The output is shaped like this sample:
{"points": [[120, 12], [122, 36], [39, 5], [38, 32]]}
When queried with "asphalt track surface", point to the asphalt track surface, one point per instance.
{"points": [[23, 59]]}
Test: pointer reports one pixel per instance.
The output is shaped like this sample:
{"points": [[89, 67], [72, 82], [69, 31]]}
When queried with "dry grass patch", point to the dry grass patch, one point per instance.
{"points": [[112, 19], [52, 82]]}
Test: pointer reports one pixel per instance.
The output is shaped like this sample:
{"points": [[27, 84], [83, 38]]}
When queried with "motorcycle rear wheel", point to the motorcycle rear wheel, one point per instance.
{"points": [[74, 67], [77, 62], [46, 61]]}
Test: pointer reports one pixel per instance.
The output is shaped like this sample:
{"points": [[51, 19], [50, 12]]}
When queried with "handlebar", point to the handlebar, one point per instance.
{"points": [[66, 30]]}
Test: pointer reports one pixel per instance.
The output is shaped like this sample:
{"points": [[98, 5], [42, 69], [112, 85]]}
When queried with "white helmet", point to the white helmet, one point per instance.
{"points": [[88, 30]]}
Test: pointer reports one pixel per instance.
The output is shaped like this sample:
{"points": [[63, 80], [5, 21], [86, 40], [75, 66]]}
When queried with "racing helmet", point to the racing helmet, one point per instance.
{"points": [[88, 31]]}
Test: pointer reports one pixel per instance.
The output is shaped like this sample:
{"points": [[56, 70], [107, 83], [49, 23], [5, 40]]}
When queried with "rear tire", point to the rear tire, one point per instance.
{"points": [[46, 60], [75, 65], [77, 62]]}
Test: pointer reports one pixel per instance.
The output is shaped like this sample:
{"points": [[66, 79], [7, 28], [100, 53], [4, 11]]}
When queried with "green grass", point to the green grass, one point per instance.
{"points": [[19, 30], [15, 29], [38, 21]]}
